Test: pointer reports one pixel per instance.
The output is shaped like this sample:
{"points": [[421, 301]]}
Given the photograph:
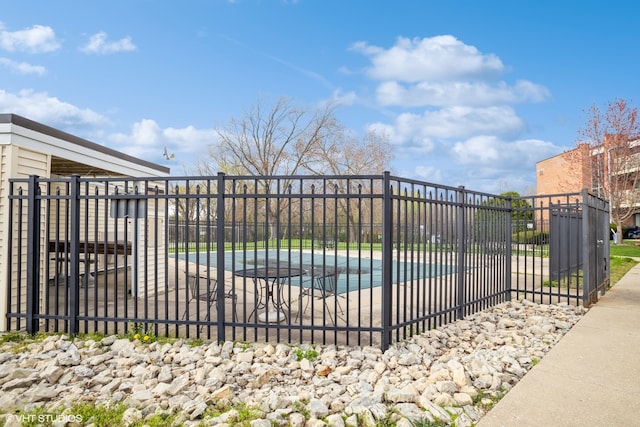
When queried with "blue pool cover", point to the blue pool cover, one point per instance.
{"points": [[355, 273]]}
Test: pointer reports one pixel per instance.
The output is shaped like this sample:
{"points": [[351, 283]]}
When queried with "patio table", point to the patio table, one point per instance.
{"points": [[269, 283]]}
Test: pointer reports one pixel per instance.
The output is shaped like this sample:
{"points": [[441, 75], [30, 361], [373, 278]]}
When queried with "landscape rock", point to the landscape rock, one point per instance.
{"points": [[453, 372]]}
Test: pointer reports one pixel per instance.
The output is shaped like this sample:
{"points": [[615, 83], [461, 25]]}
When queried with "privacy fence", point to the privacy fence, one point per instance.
{"points": [[354, 260]]}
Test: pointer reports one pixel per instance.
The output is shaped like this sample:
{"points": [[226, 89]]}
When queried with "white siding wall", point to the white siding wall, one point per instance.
{"points": [[5, 173], [17, 163], [25, 152], [101, 227]]}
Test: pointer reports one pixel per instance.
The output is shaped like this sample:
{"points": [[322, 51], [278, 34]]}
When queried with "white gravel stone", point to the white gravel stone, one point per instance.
{"points": [[425, 378]]}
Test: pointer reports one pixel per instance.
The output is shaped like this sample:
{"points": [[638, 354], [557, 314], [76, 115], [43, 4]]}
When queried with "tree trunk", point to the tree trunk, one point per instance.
{"points": [[620, 232]]}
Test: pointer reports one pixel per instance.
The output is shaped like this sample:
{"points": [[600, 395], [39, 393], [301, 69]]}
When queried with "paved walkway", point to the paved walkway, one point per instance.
{"points": [[591, 377]]}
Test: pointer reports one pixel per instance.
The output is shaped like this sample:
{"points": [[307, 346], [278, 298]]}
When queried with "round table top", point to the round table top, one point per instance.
{"points": [[270, 272]]}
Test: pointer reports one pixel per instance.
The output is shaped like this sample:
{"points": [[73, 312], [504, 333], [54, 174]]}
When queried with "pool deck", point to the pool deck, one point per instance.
{"points": [[357, 311]]}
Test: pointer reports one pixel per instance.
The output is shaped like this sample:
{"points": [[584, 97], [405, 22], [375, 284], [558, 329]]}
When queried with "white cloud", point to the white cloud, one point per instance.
{"points": [[35, 39], [41, 107], [146, 132], [344, 98], [99, 44], [450, 123], [531, 91], [490, 151], [495, 166], [449, 105], [428, 173], [442, 71], [387, 129], [477, 150], [405, 131], [22, 67], [148, 140], [441, 58], [530, 151], [458, 93]]}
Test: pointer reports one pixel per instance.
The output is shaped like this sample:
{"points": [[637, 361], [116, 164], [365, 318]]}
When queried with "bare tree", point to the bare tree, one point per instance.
{"points": [[286, 140], [610, 144], [186, 204], [273, 141], [267, 141], [351, 156]]}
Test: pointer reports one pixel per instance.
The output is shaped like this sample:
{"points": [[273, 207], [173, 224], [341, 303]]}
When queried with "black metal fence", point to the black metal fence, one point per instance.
{"points": [[356, 260]]}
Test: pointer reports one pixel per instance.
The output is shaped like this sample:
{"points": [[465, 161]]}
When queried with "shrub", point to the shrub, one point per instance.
{"points": [[531, 237]]}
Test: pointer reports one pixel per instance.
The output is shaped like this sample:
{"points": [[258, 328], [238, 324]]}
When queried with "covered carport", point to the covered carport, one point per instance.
{"points": [[29, 148]]}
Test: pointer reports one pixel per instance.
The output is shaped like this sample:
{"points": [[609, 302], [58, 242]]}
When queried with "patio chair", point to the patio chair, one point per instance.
{"points": [[322, 287], [198, 290]]}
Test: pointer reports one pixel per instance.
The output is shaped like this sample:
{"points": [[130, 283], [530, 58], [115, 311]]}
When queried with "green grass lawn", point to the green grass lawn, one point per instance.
{"points": [[621, 261], [627, 248]]}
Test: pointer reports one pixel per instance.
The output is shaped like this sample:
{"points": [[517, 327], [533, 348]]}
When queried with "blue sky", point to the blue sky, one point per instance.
{"points": [[470, 92]]}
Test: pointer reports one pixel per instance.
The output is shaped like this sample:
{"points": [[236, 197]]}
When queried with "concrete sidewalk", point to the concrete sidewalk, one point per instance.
{"points": [[591, 377]]}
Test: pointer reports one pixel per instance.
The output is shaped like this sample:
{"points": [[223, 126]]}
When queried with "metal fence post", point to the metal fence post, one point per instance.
{"points": [[462, 242], [33, 255], [589, 251], [461, 261], [508, 253], [604, 223], [387, 251], [74, 254], [220, 298]]}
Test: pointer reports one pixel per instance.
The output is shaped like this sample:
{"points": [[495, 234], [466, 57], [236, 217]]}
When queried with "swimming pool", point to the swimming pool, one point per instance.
{"points": [[355, 273]]}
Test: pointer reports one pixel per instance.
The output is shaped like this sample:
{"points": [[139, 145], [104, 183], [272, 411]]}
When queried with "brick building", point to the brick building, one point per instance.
{"points": [[588, 168]]}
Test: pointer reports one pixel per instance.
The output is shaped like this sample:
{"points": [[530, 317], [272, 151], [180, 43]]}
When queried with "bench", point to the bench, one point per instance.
{"points": [[109, 248], [86, 250]]}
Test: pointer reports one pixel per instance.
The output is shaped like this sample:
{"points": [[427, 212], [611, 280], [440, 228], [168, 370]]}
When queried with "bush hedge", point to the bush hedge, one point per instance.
{"points": [[531, 237]]}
